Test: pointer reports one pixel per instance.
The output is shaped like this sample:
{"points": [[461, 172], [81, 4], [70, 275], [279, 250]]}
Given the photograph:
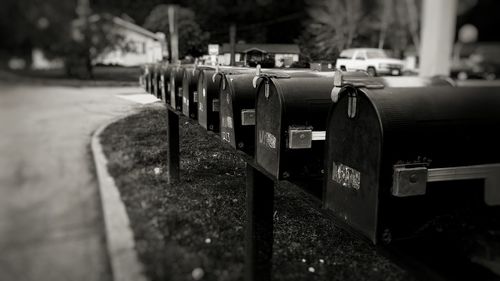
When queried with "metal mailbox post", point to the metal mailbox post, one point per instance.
{"points": [[392, 152], [173, 145]]}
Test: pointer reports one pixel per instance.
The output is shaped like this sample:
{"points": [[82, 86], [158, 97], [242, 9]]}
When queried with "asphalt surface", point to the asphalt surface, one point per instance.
{"points": [[51, 225]]}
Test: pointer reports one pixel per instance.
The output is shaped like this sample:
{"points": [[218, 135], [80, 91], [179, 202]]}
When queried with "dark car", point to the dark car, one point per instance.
{"points": [[477, 61]]}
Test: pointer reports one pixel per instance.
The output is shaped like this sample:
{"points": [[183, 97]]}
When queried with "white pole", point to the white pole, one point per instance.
{"points": [[438, 34], [174, 35]]}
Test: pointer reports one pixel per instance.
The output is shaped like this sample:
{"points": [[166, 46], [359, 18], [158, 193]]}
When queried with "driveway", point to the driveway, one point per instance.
{"points": [[51, 225]]}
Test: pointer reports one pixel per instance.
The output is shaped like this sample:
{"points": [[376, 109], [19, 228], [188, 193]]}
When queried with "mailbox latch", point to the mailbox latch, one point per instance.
{"points": [[412, 179], [248, 117]]}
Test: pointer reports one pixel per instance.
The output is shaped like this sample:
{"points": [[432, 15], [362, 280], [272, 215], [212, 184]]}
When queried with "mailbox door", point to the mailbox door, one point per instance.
{"points": [[202, 100], [193, 95], [178, 88], [237, 104], [186, 83], [212, 101], [227, 119], [175, 85], [268, 129], [243, 100], [353, 157]]}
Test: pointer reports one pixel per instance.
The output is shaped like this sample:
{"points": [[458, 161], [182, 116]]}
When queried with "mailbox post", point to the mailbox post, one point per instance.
{"points": [[173, 148], [259, 225]]}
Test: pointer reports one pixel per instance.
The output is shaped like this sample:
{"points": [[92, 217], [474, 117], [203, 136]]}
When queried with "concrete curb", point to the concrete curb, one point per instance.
{"points": [[125, 265]]}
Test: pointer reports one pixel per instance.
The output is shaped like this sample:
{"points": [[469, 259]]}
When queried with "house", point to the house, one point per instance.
{"points": [[143, 46], [283, 55]]}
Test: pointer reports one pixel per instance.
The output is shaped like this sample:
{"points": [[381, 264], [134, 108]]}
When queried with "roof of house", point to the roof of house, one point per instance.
{"points": [[127, 25], [266, 48], [131, 26]]}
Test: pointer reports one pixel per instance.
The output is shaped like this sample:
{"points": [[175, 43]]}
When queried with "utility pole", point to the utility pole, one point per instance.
{"points": [[80, 23], [232, 42], [174, 33], [437, 36]]}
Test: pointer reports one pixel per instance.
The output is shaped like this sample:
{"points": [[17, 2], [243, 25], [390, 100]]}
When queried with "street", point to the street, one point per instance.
{"points": [[51, 224]]}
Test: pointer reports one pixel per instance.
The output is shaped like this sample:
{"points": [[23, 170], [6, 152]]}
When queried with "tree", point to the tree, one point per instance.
{"points": [[335, 25], [193, 40], [91, 36], [59, 31]]}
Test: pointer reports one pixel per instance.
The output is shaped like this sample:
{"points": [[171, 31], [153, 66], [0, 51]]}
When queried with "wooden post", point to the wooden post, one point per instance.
{"points": [[232, 42], [437, 36], [173, 151], [174, 33], [259, 225]]}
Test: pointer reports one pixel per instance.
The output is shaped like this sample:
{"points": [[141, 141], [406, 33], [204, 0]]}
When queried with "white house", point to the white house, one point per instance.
{"points": [[143, 46], [247, 54]]}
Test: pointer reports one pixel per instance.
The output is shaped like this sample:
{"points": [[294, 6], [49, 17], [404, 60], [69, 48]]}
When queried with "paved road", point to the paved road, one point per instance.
{"points": [[50, 215]]}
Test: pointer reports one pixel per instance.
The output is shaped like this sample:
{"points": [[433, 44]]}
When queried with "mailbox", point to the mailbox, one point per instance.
{"points": [[176, 75], [190, 92], [398, 157], [291, 112], [208, 109], [208, 96], [165, 83], [237, 110], [156, 80], [149, 78], [142, 77], [237, 106]]}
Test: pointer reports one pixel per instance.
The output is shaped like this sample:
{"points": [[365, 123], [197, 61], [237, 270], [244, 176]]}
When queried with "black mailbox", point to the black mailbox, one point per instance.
{"points": [[142, 77], [165, 83], [208, 118], [237, 106], [237, 110], [149, 78], [145, 77], [156, 80], [176, 87], [396, 157], [190, 92], [208, 96], [290, 123]]}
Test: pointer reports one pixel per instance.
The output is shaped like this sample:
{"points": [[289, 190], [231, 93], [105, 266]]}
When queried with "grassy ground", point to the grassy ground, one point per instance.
{"points": [[198, 225], [103, 76]]}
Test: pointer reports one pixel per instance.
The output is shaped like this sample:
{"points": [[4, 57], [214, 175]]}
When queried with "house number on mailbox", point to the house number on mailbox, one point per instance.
{"points": [[346, 176]]}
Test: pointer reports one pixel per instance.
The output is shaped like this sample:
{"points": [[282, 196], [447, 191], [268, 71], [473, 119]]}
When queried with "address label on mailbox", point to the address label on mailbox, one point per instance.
{"points": [[346, 176], [267, 139]]}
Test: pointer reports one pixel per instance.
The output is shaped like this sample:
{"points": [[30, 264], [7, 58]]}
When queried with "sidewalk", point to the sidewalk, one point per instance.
{"points": [[51, 224]]}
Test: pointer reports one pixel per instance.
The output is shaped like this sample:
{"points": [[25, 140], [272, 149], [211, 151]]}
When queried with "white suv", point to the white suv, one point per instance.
{"points": [[374, 61]]}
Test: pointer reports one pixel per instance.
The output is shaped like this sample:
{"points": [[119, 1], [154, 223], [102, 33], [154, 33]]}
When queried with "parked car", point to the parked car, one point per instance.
{"points": [[477, 61], [374, 61]]}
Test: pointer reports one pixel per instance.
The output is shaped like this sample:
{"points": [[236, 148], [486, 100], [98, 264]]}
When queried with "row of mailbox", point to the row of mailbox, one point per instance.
{"points": [[392, 153]]}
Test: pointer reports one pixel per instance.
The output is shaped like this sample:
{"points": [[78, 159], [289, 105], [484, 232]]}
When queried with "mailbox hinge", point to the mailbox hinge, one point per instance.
{"points": [[356, 79]]}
